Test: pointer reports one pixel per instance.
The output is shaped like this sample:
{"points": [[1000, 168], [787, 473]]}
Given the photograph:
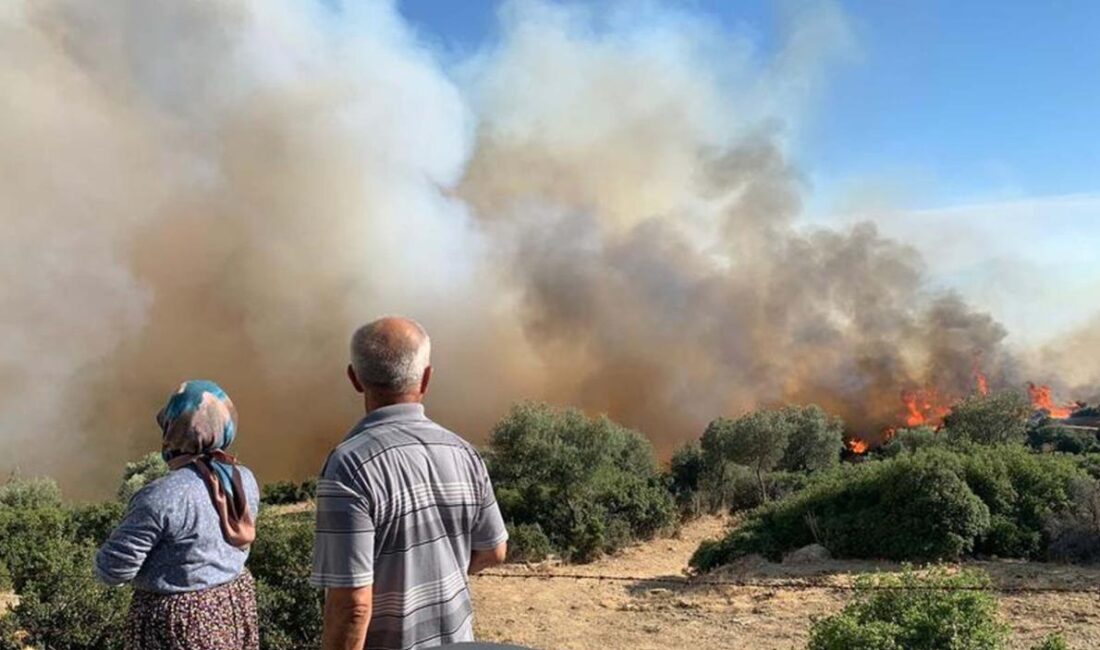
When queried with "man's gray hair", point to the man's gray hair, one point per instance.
{"points": [[390, 353]]}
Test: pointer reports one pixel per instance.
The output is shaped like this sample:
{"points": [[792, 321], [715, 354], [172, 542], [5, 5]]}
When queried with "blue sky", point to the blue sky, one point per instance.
{"points": [[964, 101], [969, 129]]}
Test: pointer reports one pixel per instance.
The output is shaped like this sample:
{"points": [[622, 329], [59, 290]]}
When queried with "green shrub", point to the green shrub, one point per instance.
{"points": [[140, 473], [30, 493], [930, 504], [5, 578], [1022, 490], [62, 606], [590, 484], [1052, 642], [684, 477], [760, 456], [281, 560], [814, 441], [289, 492], [911, 507], [527, 543], [910, 440], [1051, 437], [939, 611], [93, 522], [31, 517], [1074, 532], [756, 440], [997, 418]]}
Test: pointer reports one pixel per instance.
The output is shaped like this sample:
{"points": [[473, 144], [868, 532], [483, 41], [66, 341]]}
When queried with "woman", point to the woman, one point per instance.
{"points": [[185, 537]]}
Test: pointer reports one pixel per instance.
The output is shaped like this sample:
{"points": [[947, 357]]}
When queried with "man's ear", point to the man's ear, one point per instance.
{"points": [[425, 379], [354, 380]]}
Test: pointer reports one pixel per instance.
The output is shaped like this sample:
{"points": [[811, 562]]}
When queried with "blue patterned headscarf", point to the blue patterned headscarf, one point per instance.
{"points": [[199, 423]]}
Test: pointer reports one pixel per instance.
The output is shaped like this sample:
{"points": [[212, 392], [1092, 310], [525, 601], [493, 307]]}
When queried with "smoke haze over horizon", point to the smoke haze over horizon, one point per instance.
{"points": [[598, 210]]}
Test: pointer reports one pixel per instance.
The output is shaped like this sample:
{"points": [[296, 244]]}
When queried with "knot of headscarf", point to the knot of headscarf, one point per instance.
{"points": [[199, 422]]}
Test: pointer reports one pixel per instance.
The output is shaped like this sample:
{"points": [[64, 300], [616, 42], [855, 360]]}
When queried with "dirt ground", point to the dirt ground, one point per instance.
{"points": [[637, 615]]}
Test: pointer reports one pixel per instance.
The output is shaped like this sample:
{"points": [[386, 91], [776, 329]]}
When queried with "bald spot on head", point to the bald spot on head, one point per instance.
{"points": [[390, 354]]}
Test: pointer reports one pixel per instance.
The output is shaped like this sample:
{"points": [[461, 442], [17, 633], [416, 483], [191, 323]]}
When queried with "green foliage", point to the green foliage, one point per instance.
{"points": [[61, 606], [140, 473], [1074, 532], [997, 418], [684, 479], [911, 507], [1051, 437], [910, 440], [815, 439], [590, 484], [281, 560], [527, 543], [939, 611], [31, 516], [931, 504], [93, 522], [289, 492], [30, 493], [1052, 642], [1022, 491], [761, 456], [757, 440]]}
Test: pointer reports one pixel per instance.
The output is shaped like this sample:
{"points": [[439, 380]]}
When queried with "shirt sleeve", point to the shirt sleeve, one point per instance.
{"points": [[343, 550], [489, 530], [120, 558]]}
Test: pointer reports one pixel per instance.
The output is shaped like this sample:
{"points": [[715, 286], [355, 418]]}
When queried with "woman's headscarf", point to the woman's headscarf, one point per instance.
{"points": [[199, 423]]}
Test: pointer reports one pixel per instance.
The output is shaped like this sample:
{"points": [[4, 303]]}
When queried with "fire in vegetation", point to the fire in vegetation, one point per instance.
{"points": [[927, 407], [1042, 400]]}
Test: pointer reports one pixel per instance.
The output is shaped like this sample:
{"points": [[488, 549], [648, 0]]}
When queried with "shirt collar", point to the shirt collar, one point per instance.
{"points": [[402, 412]]}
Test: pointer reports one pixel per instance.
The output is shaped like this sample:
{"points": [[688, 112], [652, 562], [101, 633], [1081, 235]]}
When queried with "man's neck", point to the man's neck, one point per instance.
{"points": [[375, 402]]}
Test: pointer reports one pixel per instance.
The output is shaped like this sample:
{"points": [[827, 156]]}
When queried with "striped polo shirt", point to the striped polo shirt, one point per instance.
{"points": [[401, 503]]}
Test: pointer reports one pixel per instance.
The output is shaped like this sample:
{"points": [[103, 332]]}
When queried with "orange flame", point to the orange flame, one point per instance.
{"points": [[924, 408], [1041, 399], [980, 381], [857, 446]]}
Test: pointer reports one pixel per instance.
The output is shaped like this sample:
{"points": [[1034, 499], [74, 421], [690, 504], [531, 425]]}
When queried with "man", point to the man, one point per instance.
{"points": [[405, 508]]}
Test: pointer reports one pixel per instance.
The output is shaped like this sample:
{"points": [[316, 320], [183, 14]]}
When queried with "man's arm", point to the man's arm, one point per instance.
{"points": [[488, 558], [347, 615]]}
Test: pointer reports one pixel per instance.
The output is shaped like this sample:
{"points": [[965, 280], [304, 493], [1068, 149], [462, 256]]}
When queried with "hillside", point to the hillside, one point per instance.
{"points": [[638, 615]]}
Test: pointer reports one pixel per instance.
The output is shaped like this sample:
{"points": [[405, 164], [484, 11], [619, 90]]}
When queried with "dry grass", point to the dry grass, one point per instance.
{"points": [[569, 614]]}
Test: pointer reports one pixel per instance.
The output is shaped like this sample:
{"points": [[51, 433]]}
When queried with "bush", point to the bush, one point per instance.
{"points": [[989, 419], [527, 543], [140, 473], [815, 439], [93, 522], [756, 440], [289, 492], [910, 440], [29, 494], [281, 560], [1022, 491], [911, 612], [684, 479], [590, 484], [908, 508], [62, 607], [1074, 533], [1051, 437], [1052, 642], [31, 517], [931, 504]]}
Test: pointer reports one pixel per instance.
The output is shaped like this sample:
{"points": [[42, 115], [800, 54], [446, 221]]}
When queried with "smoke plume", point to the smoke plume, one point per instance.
{"points": [[597, 210]]}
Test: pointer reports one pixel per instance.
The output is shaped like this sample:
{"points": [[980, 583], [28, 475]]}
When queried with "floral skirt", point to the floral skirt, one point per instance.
{"points": [[219, 618]]}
